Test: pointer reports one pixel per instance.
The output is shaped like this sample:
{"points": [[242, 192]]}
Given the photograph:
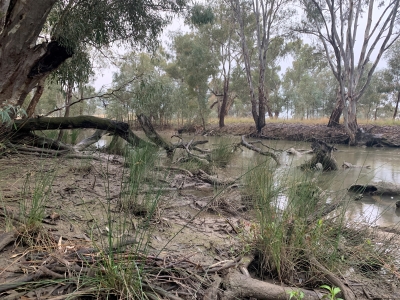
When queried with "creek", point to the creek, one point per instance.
{"points": [[383, 165]]}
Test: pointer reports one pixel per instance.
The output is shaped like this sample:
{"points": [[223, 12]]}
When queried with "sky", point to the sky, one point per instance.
{"points": [[104, 74]]}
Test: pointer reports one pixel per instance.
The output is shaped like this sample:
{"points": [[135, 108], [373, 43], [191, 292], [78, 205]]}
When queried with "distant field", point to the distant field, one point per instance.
{"points": [[231, 120]]}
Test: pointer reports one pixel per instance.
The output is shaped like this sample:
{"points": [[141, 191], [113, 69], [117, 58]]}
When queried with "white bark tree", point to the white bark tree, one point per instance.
{"points": [[271, 18], [349, 47]]}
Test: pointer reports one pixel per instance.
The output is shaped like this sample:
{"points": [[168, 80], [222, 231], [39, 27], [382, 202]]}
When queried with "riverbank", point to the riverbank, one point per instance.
{"points": [[375, 135]]}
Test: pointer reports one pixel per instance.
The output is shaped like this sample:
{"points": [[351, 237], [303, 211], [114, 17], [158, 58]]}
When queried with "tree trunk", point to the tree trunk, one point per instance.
{"points": [[23, 62], [224, 105], [261, 109], [337, 111], [35, 99], [397, 105]]}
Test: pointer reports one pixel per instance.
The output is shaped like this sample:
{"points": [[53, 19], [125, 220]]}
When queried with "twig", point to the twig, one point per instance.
{"points": [[92, 97]]}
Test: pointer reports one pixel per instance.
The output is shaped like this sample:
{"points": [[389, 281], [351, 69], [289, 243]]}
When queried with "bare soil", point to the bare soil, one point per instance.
{"points": [[189, 229]]}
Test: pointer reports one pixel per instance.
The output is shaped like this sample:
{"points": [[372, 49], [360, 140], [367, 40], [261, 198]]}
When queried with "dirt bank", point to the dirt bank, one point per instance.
{"points": [[370, 134]]}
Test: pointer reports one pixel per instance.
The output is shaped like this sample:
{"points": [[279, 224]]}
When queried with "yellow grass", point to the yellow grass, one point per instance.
{"points": [[322, 121]]}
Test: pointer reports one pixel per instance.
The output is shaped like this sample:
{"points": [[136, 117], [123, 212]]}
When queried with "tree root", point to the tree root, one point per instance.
{"points": [[239, 286], [333, 279]]}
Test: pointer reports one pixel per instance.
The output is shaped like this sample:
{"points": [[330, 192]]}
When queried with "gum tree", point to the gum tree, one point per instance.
{"points": [[264, 21], [36, 37], [349, 46]]}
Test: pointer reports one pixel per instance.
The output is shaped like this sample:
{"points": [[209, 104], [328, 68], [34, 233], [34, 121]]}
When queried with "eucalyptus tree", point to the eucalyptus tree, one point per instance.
{"points": [[392, 76], [194, 65], [338, 27], [302, 87], [265, 21], [146, 88], [221, 33], [36, 37]]}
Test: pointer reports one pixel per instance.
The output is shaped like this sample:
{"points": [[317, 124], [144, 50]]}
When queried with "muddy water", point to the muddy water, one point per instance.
{"points": [[383, 165]]}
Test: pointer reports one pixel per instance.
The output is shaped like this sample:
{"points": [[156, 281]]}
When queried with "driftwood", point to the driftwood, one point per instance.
{"points": [[347, 165], [377, 188], [258, 150], [239, 286], [322, 155]]}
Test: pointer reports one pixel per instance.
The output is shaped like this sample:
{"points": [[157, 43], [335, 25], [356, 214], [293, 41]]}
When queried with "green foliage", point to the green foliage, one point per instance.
{"points": [[201, 15], [151, 92], [140, 162], [223, 152], [333, 291], [296, 295], [9, 112], [34, 196]]}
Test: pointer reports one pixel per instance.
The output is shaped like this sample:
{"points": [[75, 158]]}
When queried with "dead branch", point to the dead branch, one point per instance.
{"points": [[214, 180], [258, 150], [333, 279], [6, 238], [105, 95], [239, 286]]}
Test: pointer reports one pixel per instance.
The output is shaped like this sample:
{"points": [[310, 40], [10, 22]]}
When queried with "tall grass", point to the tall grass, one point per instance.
{"points": [[35, 195], [293, 228]]}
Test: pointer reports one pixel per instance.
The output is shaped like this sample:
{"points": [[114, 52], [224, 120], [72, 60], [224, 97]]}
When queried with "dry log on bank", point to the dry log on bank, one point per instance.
{"points": [[258, 150], [377, 188], [239, 286], [322, 155]]}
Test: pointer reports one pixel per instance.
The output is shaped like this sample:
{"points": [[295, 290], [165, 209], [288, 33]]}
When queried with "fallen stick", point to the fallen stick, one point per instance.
{"points": [[6, 238]]}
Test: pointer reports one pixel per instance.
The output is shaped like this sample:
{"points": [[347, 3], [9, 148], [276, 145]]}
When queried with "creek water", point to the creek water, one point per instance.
{"points": [[383, 165]]}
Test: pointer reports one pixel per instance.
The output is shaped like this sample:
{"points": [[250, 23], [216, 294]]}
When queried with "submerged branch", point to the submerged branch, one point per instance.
{"points": [[258, 150]]}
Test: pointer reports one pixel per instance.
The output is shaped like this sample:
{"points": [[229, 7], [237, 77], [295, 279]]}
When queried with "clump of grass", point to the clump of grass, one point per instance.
{"points": [[223, 153], [34, 196], [141, 163], [292, 229]]}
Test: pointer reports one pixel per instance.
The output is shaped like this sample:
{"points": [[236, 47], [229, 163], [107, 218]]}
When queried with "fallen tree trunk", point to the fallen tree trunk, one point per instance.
{"points": [[376, 188], [239, 286], [22, 127], [322, 155], [153, 135]]}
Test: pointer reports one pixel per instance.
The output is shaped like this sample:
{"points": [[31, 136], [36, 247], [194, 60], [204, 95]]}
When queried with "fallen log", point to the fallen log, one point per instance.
{"points": [[23, 127], [377, 188], [239, 286], [6, 238]]}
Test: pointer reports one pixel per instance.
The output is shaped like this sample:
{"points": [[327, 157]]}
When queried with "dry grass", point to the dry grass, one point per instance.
{"points": [[319, 121]]}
